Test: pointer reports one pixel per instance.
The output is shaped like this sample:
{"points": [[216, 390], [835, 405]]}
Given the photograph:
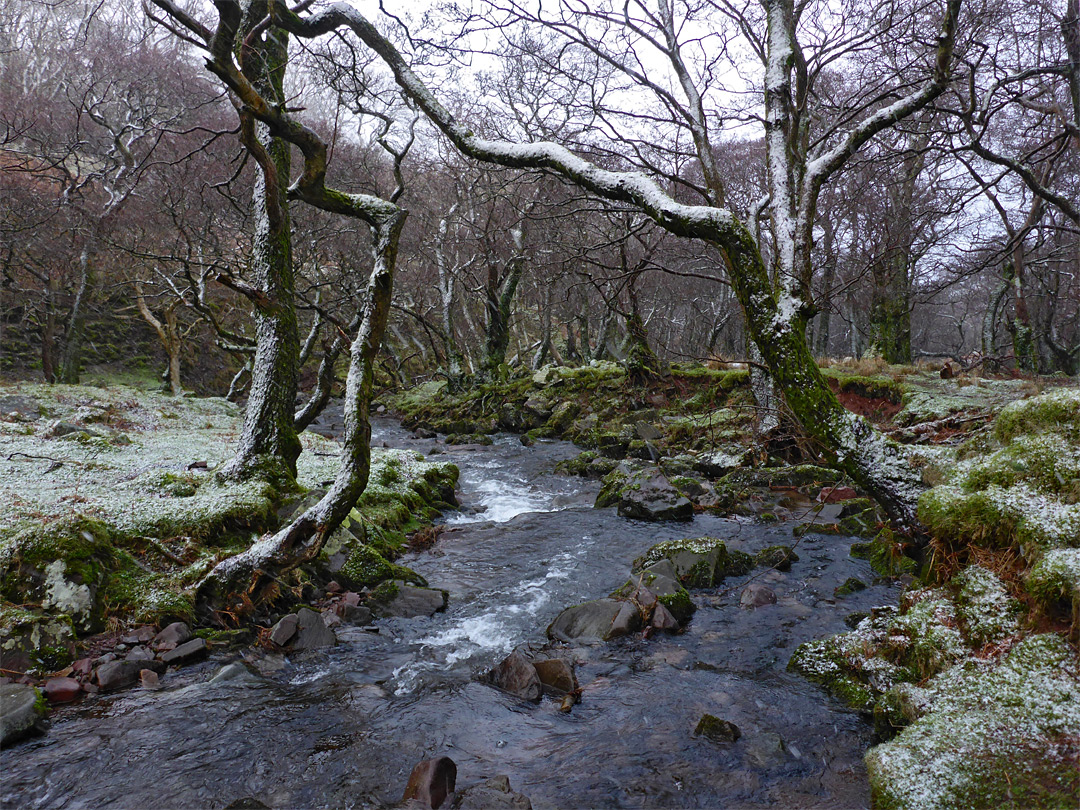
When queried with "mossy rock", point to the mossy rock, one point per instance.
{"points": [[699, 562], [850, 585], [778, 557]]}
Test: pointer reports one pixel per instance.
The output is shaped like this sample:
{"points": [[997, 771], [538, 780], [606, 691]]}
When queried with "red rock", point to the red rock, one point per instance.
{"points": [[149, 679], [837, 494], [61, 690], [333, 587], [431, 781], [83, 666], [351, 598], [90, 688]]}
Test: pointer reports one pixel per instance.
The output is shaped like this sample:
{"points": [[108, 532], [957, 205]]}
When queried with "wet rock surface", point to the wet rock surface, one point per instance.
{"points": [[23, 713]]}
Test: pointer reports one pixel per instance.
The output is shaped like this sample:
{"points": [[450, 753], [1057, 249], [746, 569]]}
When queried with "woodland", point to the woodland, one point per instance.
{"points": [[736, 251]]}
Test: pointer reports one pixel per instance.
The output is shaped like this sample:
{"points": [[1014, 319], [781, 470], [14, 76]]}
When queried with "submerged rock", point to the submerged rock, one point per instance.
{"points": [[717, 730], [494, 794], [431, 782], [756, 595]]}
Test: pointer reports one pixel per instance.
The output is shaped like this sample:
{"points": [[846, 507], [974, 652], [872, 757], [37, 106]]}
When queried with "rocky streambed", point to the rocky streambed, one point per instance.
{"points": [[343, 726]]}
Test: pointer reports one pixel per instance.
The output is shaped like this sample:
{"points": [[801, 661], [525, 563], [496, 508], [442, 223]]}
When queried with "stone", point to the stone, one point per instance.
{"points": [[333, 587], [283, 632], [756, 595], [104, 659], [662, 619], [350, 598], [311, 632], [330, 619], [851, 585], [516, 674], [84, 666], [139, 654], [660, 580], [650, 496], [23, 713], [494, 794], [356, 614], [431, 782], [61, 690], [397, 599], [118, 674], [765, 750], [172, 636], [600, 619], [140, 635], [697, 562], [37, 642], [837, 494], [548, 375], [717, 730], [187, 653], [232, 672], [647, 432], [148, 679], [778, 557], [719, 463], [556, 675]]}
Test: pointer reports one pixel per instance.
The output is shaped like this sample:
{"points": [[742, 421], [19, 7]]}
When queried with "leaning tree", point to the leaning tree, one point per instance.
{"points": [[807, 142]]}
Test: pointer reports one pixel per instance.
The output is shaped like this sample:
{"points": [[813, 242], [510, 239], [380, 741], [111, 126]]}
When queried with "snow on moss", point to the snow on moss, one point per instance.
{"points": [[1057, 411], [1005, 732], [984, 607], [1055, 578]]}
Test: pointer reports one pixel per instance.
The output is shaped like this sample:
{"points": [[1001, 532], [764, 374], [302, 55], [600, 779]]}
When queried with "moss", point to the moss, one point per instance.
{"points": [[985, 610], [876, 387], [888, 555], [1054, 582], [680, 604], [992, 734], [1057, 411], [851, 585], [778, 557]]}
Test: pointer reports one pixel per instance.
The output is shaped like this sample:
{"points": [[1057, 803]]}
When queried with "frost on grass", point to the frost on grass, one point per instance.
{"points": [[134, 510], [1004, 733]]}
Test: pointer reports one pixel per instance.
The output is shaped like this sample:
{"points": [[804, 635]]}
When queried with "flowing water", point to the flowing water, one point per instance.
{"points": [[343, 728]]}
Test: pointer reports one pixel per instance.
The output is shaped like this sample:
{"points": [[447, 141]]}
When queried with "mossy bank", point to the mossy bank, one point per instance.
{"points": [[113, 512]]}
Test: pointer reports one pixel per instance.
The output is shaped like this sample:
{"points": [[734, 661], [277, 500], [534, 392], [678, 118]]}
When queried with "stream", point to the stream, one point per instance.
{"points": [[343, 728]]}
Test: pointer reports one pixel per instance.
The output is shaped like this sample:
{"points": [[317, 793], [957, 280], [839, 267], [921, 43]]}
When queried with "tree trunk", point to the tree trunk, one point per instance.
{"points": [[269, 436], [71, 357], [498, 302], [240, 583]]}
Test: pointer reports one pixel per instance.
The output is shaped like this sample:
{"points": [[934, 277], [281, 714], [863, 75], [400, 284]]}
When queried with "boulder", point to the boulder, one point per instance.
{"points": [[516, 675], [431, 782], [61, 690], [717, 730], [118, 674], [186, 653], [698, 562], [494, 794], [23, 712], [548, 375], [172, 636], [556, 675], [660, 582], [311, 631], [282, 632], [756, 595], [356, 614], [601, 619], [651, 496], [397, 599], [36, 642]]}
